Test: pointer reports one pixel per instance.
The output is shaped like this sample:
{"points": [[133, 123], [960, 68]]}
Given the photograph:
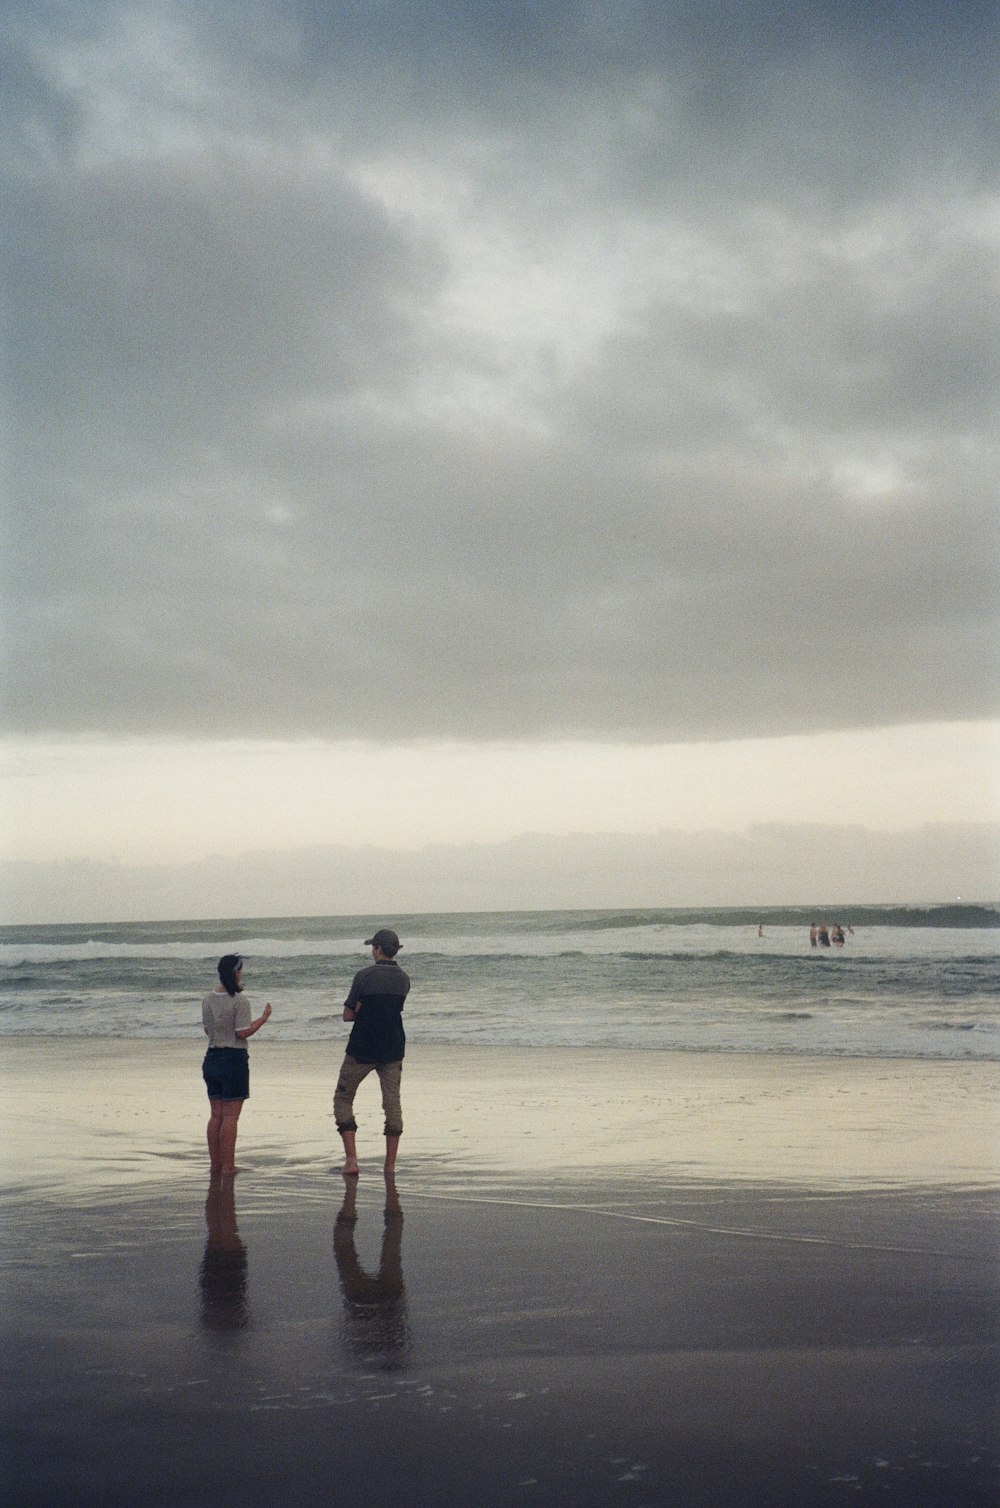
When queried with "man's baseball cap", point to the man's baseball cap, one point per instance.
{"points": [[386, 939]]}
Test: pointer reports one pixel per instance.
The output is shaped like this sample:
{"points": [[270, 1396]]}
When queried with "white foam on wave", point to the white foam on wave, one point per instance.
{"points": [[660, 939], [17, 955]]}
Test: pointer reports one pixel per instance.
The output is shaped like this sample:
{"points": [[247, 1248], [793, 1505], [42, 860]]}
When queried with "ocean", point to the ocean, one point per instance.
{"points": [[908, 982]]}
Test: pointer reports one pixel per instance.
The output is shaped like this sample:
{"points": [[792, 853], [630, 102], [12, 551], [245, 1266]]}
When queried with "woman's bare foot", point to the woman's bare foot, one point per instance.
{"points": [[350, 1168]]}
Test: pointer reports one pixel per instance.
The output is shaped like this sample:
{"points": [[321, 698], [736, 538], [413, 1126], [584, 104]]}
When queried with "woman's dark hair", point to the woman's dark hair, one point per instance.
{"points": [[227, 973]]}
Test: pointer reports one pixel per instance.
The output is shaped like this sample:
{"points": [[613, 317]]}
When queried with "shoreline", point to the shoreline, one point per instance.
{"points": [[101, 1111], [596, 1283]]}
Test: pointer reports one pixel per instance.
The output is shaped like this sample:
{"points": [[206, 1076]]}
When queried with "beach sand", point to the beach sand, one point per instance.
{"points": [[603, 1278]]}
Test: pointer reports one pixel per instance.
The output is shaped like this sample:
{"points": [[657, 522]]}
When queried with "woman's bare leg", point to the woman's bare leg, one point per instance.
{"points": [[227, 1134], [214, 1131]]}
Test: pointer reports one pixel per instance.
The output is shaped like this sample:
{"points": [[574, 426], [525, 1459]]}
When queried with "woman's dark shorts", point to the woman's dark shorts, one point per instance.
{"points": [[226, 1071]]}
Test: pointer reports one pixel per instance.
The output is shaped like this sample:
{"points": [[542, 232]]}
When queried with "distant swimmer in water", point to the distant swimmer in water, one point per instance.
{"points": [[760, 929], [824, 937], [813, 935], [837, 935]]}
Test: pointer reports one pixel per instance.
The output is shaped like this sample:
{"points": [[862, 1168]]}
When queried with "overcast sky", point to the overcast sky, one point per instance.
{"points": [[546, 407]]}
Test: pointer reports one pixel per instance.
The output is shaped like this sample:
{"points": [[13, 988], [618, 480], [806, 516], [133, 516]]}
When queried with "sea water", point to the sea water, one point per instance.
{"points": [[907, 982]]}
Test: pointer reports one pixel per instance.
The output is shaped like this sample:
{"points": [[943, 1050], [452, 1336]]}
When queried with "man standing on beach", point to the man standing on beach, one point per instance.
{"points": [[377, 1041]]}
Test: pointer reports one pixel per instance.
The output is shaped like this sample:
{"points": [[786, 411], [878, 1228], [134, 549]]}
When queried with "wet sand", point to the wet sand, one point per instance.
{"points": [[600, 1279]]}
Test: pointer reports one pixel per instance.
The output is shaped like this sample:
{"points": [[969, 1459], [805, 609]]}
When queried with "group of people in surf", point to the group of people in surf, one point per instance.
{"points": [[823, 936]]}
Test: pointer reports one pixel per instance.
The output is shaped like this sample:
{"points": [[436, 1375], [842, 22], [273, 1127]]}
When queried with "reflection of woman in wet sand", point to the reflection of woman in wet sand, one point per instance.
{"points": [[376, 1323], [223, 1275]]}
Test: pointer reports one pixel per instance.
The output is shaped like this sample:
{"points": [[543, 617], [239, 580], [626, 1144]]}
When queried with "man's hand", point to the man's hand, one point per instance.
{"points": [[349, 1014]]}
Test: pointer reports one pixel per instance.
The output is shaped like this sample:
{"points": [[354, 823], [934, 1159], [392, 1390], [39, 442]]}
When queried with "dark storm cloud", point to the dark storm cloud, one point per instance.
{"points": [[284, 440], [808, 97]]}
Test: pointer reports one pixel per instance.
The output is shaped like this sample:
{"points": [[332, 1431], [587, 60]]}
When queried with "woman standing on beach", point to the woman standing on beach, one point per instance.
{"points": [[226, 1069]]}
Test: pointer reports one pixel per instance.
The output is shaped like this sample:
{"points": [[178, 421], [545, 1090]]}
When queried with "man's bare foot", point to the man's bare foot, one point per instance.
{"points": [[231, 1172], [350, 1168]]}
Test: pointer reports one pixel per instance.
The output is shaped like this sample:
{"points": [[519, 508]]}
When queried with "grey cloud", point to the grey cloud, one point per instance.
{"points": [[900, 341], [150, 301], [236, 475], [813, 103]]}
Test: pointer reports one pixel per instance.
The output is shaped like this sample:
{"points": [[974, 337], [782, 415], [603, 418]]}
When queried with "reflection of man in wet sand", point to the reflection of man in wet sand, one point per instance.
{"points": [[223, 1274], [376, 1325]]}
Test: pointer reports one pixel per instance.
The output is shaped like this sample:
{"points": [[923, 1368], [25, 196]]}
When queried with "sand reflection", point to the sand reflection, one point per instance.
{"points": [[376, 1326], [222, 1277]]}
